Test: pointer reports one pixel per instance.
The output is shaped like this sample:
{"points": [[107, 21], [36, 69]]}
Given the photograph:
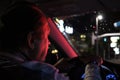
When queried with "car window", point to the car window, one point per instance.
{"points": [[90, 36]]}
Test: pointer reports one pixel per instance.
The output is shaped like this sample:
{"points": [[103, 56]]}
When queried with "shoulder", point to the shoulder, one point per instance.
{"points": [[40, 66], [45, 70]]}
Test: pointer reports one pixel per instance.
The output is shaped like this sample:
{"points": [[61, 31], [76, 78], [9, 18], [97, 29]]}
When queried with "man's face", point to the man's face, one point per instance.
{"points": [[41, 42]]}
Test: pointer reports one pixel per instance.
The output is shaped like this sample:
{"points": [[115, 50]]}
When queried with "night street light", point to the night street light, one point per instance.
{"points": [[99, 17]]}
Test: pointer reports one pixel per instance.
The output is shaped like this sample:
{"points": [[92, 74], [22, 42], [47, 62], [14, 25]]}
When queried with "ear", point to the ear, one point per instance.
{"points": [[30, 40]]}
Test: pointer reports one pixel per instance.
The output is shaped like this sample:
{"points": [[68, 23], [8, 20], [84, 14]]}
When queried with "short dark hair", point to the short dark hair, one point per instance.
{"points": [[18, 21]]}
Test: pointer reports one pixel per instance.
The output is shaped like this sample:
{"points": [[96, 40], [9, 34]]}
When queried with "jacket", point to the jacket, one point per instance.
{"points": [[13, 69]]}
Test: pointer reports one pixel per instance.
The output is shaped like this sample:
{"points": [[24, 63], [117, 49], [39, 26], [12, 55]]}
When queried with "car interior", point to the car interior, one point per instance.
{"points": [[81, 28]]}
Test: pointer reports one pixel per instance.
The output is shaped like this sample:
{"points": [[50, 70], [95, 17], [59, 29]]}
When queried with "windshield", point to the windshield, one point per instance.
{"points": [[94, 33]]}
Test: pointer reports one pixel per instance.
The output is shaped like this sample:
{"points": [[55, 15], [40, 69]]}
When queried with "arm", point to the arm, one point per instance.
{"points": [[92, 72], [92, 69]]}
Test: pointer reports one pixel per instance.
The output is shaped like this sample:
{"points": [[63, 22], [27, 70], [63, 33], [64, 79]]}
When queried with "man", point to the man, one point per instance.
{"points": [[24, 45]]}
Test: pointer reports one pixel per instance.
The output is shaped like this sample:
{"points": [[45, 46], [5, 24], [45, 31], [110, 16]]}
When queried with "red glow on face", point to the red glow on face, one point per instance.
{"points": [[40, 35], [42, 41]]}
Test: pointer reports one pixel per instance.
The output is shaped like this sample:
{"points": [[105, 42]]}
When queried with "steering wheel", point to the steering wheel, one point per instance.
{"points": [[75, 69]]}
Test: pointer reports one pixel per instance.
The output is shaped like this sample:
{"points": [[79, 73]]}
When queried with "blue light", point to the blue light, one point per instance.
{"points": [[83, 76], [110, 76], [105, 39], [117, 24]]}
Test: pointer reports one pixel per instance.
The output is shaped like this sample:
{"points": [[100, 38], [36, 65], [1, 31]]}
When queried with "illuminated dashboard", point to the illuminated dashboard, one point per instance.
{"points": [[108, 77], [106, 73]]}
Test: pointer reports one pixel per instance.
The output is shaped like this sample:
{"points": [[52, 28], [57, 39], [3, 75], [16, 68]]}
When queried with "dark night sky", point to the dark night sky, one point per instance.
{"points": [[83, 23]]}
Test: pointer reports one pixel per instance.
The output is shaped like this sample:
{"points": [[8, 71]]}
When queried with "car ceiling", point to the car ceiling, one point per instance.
{"points": [[69, 7]]}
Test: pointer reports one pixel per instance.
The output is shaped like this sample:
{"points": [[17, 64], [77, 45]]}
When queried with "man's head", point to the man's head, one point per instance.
{"points": [[26, 28]]}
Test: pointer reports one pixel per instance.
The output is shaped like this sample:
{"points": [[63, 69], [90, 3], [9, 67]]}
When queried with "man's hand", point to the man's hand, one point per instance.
{"points": [[89, 59]]}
